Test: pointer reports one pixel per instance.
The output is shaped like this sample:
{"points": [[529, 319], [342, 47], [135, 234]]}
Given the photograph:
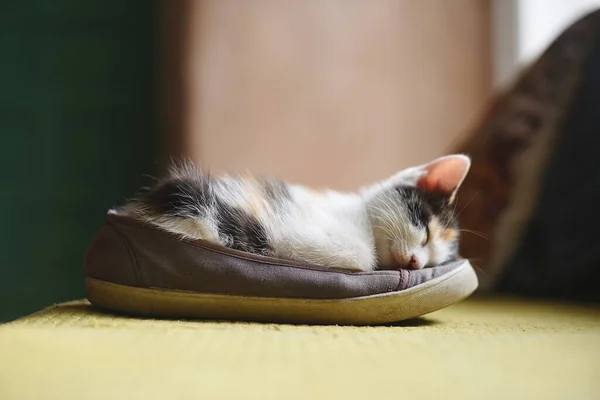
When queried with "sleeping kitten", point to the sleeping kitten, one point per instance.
{"points": [[406, 221]]}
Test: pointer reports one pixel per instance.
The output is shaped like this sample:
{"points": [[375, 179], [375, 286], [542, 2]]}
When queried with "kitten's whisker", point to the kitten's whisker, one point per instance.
{"points": [[152, 177], [388, 214], [455, 217], [394, 206], [455, 204], [480, 234], [385, 230], [466, 205], [478, 269]]}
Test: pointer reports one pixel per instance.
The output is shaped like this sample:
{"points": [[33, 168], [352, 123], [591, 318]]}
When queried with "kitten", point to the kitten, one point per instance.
{"points": [[406, 221]]}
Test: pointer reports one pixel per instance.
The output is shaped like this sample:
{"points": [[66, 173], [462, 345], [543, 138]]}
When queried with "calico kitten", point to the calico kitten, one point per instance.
{"points": [[406, 221]]}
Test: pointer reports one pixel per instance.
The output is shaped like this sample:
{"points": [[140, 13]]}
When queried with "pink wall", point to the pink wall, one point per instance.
{"points": [[332, 92]]}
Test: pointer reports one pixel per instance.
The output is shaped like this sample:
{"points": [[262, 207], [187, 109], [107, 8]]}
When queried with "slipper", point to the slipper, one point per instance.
{"points": [[139, 269]]}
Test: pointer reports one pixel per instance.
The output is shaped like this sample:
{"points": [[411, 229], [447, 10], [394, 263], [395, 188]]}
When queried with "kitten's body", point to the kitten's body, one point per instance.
{"points": [[384, 225]]}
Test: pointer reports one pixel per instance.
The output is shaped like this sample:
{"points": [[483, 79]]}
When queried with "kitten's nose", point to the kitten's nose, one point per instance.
{"points": [[413, 263]]}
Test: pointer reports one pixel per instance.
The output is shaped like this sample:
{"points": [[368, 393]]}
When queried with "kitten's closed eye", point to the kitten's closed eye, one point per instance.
{"points": [[417, 215]]}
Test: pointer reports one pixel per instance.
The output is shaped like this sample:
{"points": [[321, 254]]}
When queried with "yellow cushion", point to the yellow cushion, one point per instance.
{"points": [[474, 350]]}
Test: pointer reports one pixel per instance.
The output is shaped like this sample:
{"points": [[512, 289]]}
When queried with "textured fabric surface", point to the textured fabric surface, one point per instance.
{"points": [[474, 350]]}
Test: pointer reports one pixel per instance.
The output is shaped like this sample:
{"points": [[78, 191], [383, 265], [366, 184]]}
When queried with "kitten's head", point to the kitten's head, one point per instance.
{"points": [[413, 214]]}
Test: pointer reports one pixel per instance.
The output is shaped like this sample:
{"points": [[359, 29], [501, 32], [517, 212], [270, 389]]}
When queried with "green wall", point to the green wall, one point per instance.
{"points": [[77, 129]]}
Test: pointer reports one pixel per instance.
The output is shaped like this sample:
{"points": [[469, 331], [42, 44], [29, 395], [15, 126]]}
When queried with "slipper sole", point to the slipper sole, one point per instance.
{"points": [[383, 308]]}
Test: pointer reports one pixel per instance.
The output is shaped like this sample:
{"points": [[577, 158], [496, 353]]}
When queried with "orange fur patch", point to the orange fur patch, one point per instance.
{"points": [[255, 196], [437, 230], [449, 234]]}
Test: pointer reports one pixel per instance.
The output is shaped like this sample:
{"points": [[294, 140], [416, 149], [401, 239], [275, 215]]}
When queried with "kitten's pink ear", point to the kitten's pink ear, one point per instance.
{"points": [[444, 175]]}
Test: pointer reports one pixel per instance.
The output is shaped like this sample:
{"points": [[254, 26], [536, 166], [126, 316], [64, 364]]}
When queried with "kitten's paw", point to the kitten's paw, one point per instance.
{"points": [[350, 267], [352, 259]]}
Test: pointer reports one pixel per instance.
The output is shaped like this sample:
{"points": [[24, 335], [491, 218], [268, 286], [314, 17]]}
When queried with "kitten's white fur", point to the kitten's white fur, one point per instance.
{"points": [[329, 228]]}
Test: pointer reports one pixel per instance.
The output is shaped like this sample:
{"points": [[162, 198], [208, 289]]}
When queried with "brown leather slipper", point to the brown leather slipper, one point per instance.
{"points": [[138, 269]]}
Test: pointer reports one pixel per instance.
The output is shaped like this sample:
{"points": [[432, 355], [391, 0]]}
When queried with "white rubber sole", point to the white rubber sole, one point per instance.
{"points": [[377, 309]]}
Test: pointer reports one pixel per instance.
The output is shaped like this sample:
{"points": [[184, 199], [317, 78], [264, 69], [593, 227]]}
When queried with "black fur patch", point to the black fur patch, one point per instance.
{"points": [[415, 205], [276, 191], [441, 207], [240, 230], [180, 197], [422, 206]]}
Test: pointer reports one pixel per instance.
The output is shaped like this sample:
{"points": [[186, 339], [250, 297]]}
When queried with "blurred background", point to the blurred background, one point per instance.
{"points": [[98, 94]]}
